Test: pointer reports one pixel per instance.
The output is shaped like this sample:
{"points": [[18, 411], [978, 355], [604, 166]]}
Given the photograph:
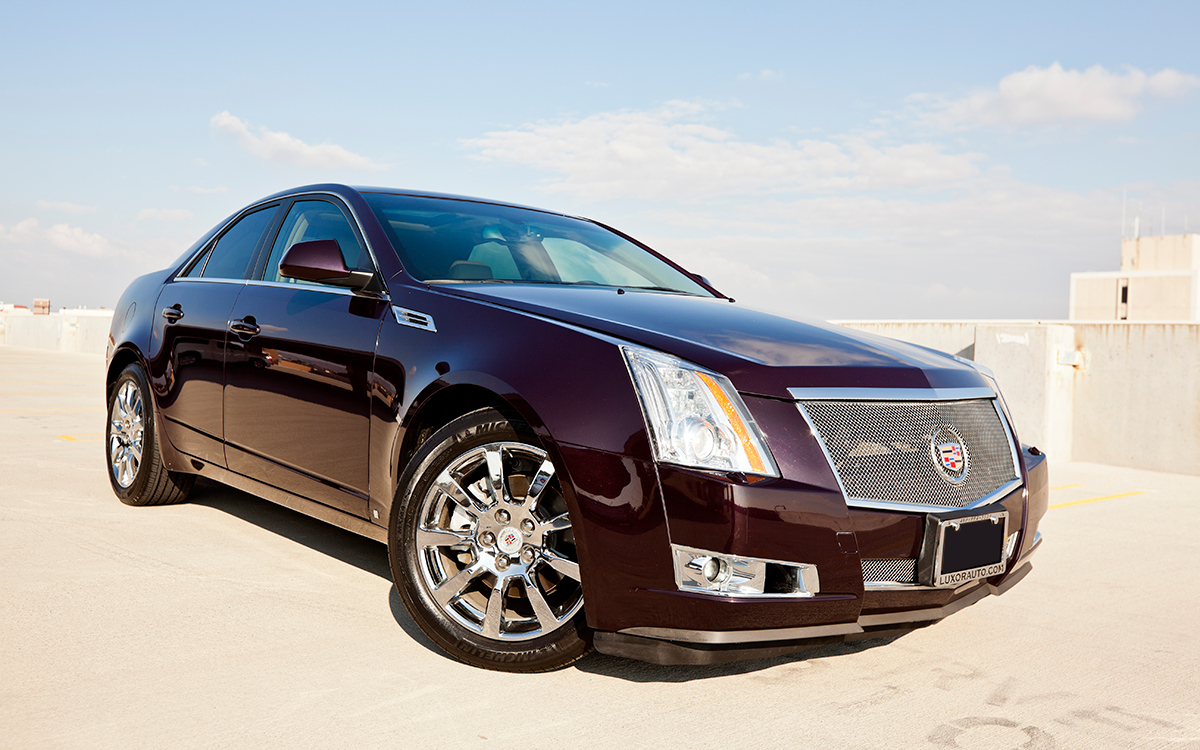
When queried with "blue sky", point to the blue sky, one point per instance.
{"points": [[853, 160]]}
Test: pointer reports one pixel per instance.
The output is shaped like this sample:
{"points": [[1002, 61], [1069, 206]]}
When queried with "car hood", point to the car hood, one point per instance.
{"points": [[762, 353]]}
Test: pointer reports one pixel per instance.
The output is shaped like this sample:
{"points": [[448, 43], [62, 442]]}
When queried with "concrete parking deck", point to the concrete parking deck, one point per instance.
{"points": [[231, 622]]}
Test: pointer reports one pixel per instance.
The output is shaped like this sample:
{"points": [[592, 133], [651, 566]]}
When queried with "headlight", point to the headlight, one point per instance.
{"points": [[695, 417]]}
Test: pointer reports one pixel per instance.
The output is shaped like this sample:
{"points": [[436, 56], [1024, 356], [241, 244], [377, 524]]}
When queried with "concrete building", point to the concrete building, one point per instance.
{"points": [[1159, 280]]}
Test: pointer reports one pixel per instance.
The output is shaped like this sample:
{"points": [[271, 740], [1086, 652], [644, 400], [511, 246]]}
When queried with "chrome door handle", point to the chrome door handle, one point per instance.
{"points": [[244, 327], [172, 313]]}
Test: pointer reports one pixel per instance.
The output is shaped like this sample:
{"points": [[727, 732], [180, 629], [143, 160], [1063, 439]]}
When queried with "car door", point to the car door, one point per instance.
{"points": [[187, 346], [300, 353]]}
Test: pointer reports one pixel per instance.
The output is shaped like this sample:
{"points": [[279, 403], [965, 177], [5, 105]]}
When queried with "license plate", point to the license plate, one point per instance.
{"points": [[970, 549]]}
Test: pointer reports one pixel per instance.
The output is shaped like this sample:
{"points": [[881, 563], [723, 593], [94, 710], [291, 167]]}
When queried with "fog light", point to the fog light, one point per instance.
{"points": [[728, 575]]}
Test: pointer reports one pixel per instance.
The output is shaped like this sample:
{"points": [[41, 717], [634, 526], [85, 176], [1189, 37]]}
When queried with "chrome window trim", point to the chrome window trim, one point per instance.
{"points": [[260, 204], [201, 280], [890, 394], [304, 287]]}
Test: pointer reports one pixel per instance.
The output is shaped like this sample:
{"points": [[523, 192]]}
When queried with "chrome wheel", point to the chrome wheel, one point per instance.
{"points": [[126, 433], [494, 545]]}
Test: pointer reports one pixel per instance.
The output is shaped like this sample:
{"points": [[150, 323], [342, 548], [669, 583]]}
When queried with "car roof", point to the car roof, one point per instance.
{"points": [[338, 188]]}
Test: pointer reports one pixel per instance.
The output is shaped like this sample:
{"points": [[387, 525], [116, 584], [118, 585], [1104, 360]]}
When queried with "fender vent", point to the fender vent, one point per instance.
{"points": [[413, 319]]}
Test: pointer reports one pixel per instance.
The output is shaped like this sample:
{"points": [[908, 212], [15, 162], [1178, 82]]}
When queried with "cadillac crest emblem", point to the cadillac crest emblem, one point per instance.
{"points": [[949, 455]]}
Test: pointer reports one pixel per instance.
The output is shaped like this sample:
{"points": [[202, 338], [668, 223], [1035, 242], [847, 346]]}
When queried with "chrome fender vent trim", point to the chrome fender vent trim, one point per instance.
{"points": [[413, 319]]}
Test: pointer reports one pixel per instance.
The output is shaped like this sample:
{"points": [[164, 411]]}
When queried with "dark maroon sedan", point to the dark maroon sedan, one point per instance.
{"points": [[564, 438]]}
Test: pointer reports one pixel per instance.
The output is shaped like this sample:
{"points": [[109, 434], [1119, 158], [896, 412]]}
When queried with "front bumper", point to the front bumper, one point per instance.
{"points": [[675, 646], [638, 610]]}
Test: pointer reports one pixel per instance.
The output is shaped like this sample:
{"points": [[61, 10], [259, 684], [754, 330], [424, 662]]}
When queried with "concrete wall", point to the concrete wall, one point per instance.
{"points": [[1137, 398], [1179, 252], [83, 331], [1151, 295], [1119, 393]]}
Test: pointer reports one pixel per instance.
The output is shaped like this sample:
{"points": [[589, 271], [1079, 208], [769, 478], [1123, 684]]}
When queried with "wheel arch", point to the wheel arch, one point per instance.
{"points": [[449, 398], [123, 357]]}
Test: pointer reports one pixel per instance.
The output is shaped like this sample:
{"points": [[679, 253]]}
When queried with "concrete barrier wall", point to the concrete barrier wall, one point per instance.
{"points": [[1137, 396], [84, 331], [1120, 393]]}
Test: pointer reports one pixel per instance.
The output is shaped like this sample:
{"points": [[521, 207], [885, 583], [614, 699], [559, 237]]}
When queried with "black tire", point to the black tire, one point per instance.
{"points": [[529, 630], [140, 480]]}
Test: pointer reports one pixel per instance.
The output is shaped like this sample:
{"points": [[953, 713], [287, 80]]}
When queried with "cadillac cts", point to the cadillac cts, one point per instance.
{"points": [[565, 439]]}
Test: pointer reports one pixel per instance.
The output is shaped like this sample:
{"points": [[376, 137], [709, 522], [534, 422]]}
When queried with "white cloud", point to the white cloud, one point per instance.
{"points": [[164, 214], [1045, 96], [60, 237], [199, 190], [998, 248], [669, 152], [71, 208], [274, 146], [762, 75]]}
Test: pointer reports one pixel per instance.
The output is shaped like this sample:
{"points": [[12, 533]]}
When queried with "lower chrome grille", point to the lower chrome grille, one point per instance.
{"points": [[886, 452], [889, 570]]}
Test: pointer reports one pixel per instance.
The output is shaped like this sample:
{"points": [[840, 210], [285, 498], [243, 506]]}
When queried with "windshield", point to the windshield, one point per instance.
{"points": [[443, 240]]}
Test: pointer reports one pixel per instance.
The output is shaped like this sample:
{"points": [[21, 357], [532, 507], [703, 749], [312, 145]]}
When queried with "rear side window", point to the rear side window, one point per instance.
{"points": [[231, 255], [316, 220]]}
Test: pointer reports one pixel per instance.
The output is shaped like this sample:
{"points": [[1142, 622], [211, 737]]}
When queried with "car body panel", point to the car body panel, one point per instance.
{"points": [[763, 354], [296, 399], [323, 408], [187, 364]]}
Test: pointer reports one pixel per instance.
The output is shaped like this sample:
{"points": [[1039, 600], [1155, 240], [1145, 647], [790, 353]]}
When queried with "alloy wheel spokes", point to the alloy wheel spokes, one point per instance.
{"points": [[568, 568], [544, 474], [541, 609], [494, 613], [125, 446], [450, 588], [493, 517]]}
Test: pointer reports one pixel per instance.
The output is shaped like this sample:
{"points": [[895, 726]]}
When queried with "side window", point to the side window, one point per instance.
{"points": [[197, 266], [232, 253], [316, 220]]}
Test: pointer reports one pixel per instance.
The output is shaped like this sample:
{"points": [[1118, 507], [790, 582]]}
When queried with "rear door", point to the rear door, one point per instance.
{"points": [[296, 402], [187, 348]]}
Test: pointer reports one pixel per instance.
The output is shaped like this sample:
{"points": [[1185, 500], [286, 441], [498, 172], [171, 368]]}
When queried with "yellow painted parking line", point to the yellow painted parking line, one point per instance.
{"points": [[80, 438], [1096, 499], [1065, 487]]}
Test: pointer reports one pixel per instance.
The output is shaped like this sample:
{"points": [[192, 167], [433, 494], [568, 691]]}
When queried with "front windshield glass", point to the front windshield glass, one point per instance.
{"points": [[442, 240]]}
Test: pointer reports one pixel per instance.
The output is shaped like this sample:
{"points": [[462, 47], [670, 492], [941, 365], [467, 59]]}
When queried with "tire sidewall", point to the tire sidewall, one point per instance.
{"points": [[135, 493], [553, 650]]}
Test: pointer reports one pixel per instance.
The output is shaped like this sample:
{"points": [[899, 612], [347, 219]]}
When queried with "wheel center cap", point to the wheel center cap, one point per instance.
{"points": [[509, 540]]}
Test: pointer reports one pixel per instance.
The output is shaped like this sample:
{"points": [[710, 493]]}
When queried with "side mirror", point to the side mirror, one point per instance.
{"points": [[321, 260]]}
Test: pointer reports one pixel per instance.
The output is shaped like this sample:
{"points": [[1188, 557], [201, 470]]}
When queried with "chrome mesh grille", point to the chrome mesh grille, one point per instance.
{"points": [[889, 569], [881, 450]]}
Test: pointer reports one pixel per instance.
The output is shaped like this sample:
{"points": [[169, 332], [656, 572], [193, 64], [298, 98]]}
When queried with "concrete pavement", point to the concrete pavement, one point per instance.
{"points": [[231, 622]]}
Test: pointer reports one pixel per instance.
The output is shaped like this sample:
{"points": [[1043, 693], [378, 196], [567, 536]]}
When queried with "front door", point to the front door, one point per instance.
{"points": [[297, 371]]}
